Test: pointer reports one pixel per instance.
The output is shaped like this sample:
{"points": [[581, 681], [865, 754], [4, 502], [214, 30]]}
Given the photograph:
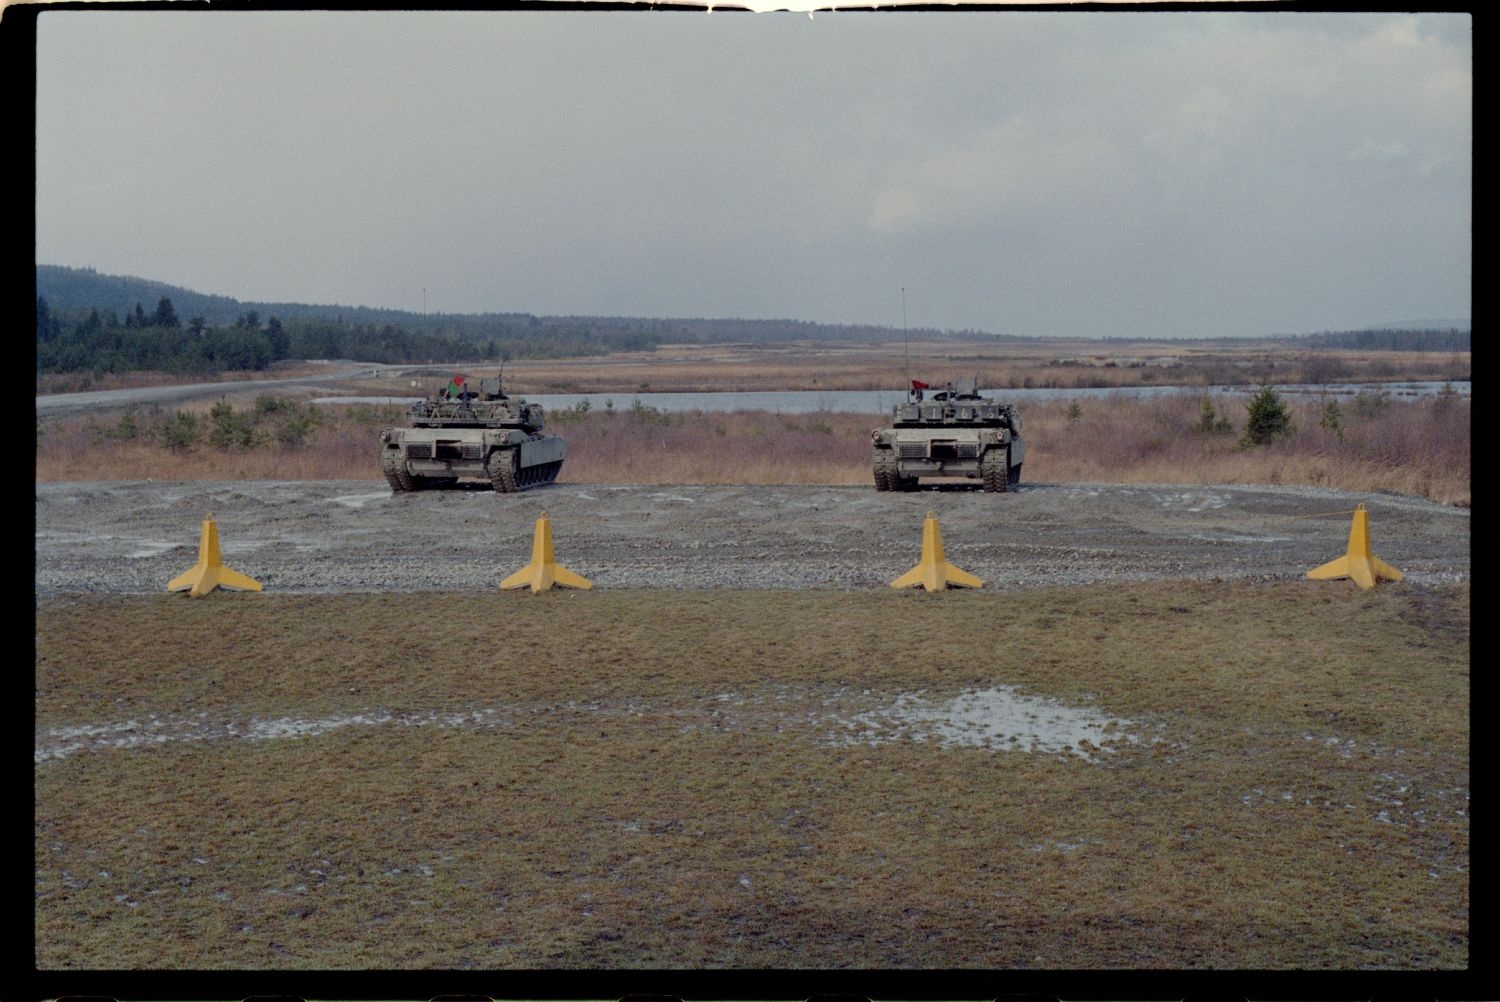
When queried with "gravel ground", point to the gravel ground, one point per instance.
{"points": [[355, 536]]}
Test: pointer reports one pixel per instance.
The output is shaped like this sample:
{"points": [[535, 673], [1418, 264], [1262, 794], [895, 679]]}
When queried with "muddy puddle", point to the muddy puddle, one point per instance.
{"points": [[998, 719]]}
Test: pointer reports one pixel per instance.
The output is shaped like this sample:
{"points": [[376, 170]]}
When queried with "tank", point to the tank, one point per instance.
{"points": [[468, 434], [950, 432]]}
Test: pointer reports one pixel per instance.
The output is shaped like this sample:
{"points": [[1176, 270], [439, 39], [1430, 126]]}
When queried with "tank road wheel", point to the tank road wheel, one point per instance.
{"points": [[501, 466], [394, 468], [993, 469]]}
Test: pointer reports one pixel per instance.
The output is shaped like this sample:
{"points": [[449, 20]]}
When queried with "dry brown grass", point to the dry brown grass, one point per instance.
{"points": [[683, 368], [1419, 447], [1304, 808]]}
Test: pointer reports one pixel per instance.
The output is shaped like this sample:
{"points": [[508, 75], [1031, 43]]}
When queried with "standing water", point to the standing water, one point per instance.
{"points": [[881, 401]]}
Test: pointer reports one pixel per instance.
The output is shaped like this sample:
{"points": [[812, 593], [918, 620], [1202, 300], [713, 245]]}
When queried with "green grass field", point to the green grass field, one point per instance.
{"points": [[619, 779]]}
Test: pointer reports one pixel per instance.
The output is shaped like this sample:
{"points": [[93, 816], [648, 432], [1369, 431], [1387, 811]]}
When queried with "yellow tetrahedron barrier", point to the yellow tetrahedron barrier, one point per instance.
{"points": [[209, 572], [934, 573], [1359, 563], [544, 571]]}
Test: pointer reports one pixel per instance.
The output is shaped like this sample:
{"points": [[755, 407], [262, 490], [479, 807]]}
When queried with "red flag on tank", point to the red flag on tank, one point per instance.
{"points": [[455, 386], [917, 384]]}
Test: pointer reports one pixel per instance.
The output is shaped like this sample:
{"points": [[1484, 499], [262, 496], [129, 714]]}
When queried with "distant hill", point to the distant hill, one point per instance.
{"points": [[68, 290]]}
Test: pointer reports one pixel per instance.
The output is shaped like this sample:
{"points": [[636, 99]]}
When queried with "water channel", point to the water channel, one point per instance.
{"points": [[881, 401]]}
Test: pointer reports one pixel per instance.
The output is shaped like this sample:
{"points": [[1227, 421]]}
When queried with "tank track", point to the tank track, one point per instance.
{"points": [[888, 473], [994, 470], [394, 469], [508, 480], [887, 476]]}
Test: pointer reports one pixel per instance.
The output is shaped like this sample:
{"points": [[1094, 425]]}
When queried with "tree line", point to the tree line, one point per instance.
{"points": [[1394, 339], [100, 341]]}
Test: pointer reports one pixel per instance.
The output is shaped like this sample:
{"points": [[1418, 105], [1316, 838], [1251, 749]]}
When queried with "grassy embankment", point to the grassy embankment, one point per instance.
{"points": [[1419, 447], [663, 790]]}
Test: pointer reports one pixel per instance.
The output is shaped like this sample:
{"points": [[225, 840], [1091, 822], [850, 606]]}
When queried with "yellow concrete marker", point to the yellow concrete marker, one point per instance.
{"points": [[209, 572], [544, 571], [934, 573], [1359, 563]]}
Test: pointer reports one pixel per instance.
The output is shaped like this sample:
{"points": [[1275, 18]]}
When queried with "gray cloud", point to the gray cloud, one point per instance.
{"points": [[1131, 174]]}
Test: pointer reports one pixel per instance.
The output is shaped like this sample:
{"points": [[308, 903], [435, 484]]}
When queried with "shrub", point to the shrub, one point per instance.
{"points": [[1333, 419], [293, 430], [230, 430], [1210, 421], [267, 404], [1269, 419], [1368, 405], [127, 429], [178, 431]]}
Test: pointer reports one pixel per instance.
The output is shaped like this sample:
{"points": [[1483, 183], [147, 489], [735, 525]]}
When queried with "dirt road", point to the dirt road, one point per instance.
{"points": [[354, 536]]}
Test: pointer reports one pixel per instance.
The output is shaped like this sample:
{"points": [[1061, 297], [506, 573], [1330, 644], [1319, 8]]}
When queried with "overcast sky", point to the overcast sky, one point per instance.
{"points": [[1123, 174]]}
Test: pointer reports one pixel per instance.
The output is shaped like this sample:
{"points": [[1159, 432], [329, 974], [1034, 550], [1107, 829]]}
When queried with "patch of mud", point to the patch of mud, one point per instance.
{"points": [[58, 743], [997, 719], [146, 549], [360, 500], [1191, 501]]}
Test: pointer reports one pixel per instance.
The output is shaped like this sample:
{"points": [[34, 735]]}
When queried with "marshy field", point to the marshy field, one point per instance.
{"points": [[1155, 776], [1243, 775]]}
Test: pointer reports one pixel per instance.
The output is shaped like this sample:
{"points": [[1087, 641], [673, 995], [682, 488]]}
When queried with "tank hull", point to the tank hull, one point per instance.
{"points": [[952, 436], [509, 459], [468, 434]]}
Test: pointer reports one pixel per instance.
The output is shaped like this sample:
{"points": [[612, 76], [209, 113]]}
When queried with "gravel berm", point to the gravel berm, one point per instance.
{"points": [[356, 536]]}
